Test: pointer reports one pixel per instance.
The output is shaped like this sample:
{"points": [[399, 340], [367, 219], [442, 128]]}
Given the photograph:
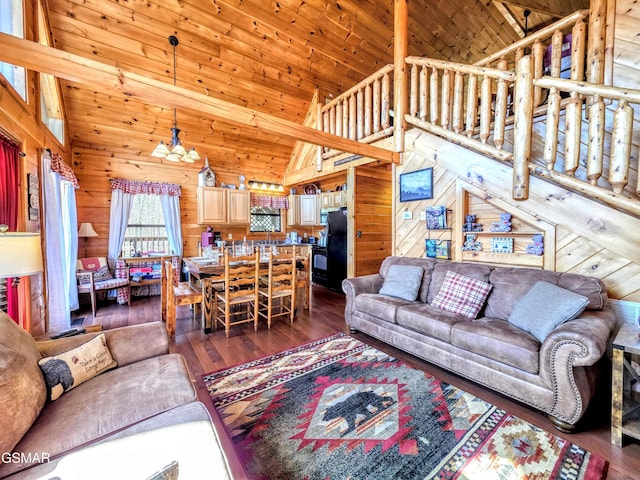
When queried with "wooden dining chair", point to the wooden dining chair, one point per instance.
{"points": [[277, 292], [175, 293], [237, 302]]}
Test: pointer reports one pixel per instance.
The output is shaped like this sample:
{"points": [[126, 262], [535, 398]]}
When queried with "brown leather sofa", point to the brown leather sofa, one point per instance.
{"points": [[131, 421], [557, 376]]}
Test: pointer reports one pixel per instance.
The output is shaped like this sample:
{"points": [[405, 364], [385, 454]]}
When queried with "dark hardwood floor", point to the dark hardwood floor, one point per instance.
{"points": [[208, 353]]}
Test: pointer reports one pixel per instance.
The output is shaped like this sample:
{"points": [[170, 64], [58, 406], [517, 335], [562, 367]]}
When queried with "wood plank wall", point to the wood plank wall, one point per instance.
{"points": [[591, 239], [373, 207], [626, 61], [20, 121]]}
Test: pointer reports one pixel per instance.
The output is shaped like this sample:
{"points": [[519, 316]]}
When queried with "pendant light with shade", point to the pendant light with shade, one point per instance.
{"points": [[175, 152]]}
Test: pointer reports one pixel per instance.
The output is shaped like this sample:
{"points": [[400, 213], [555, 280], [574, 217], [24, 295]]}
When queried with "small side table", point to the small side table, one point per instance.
{"points": [[625, 409]]}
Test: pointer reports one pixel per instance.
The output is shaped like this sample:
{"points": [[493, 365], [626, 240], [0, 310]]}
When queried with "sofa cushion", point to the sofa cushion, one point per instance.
{"points": [[22, 389], [69, 369], [379, 306], [510, 284], [440, 269], [91, 411], [499, 340], [462, 295], [429, 320], [544, 307], [402, 281], [427, 265]]}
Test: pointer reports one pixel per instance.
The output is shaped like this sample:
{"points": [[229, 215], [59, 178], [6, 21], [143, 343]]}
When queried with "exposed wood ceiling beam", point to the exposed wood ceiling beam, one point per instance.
{"points": [[114, 80]]}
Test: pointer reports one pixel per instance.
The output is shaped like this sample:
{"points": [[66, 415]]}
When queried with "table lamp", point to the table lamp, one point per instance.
{"points": [[20, 254], [85, 231]]}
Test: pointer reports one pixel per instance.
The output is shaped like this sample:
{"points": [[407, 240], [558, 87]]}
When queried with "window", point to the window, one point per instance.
{"points": [[265, 219], [50, 103], [13, 24], [146, 232]]}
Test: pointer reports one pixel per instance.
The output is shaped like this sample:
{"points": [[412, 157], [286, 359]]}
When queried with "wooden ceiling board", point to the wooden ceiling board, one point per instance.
{"points": [[266, 55]]}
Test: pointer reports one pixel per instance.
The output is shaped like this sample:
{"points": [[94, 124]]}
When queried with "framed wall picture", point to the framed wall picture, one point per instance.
{"points": [[33, 196], [438, 248], [416, 185]]}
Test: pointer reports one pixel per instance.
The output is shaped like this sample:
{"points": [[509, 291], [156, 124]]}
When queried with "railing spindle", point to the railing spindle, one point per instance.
{"points": [[458, 103], [386, 101], [376, 105], [578, 40], [413, 91], [445, 103], [572, 132], [485, 109], [522, 129], [472, 105], [339, 131], [433, 95], [620, 146], [360, 114], [537, 51], [502, 91], [595, 151], [353, 116], [424, 93], [368, 109]]}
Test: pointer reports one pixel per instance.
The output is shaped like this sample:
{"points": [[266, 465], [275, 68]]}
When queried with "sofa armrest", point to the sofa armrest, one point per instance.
{"points": [[127, 344], [354, 286], [568, 359]]}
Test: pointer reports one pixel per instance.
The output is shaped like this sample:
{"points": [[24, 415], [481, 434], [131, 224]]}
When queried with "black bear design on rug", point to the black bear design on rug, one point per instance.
{"points": [[357, 404], [57, 372]]}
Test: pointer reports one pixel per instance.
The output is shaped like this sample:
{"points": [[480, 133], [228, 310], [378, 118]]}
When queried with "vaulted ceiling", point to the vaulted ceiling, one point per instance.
{"points": [[267, 55]]}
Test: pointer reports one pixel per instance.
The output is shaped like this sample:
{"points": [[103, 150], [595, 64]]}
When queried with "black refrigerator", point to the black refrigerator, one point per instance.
{"points": [[336, 249]]}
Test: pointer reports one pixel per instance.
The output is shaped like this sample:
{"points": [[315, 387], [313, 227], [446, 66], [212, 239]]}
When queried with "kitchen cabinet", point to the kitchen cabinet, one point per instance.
{"points": [[238, 206], [292, 212], [332, 199], [309, 213], [223, 206]]}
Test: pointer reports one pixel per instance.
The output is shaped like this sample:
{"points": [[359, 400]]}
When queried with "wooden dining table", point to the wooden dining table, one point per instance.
{"points": [[210, 275]]}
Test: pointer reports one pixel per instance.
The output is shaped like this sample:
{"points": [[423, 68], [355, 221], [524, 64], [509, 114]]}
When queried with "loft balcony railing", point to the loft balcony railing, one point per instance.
{"points": [[361, 113], [553, 76]]}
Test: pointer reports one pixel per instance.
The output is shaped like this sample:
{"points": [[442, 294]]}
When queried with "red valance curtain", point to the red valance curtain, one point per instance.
{"points": [[9, 196], [134, 187], [269, 201]]}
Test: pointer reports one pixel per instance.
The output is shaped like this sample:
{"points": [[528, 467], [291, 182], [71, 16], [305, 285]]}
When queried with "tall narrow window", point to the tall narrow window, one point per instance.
{"points": [[13, 24], [50, 103]]}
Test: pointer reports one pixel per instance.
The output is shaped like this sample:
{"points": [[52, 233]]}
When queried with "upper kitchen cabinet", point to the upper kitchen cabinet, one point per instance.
{"points": [[223, 206], [308, 211]]}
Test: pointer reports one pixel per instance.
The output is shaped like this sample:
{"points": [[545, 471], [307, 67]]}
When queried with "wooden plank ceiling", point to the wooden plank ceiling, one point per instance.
{"points": [[269, 56]]}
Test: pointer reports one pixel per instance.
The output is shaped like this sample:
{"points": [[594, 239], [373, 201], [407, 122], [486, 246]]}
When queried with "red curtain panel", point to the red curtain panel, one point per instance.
{"points": [[9, 191]]}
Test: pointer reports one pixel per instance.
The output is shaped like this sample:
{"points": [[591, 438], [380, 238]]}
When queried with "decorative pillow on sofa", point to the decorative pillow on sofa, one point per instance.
{"points": [[544, 307], [402, 281], [69, 369], [462, 295]]}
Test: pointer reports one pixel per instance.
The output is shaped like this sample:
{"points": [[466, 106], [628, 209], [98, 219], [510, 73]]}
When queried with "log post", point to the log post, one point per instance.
{"points": [[433, 96], [578, 39], [595, 152], [320, 148], [424, 91], [620, 146], [485, 108], [376, 105], [368, 109], [353, 116], [523, 93], [596, 42], [551, 134], [413, 91], [500, 116], [385, 115], [556, 54], [537, 51], [472, 105], [360, 114], [445, 103], [572, 131], [458, 103], [400, 51]]}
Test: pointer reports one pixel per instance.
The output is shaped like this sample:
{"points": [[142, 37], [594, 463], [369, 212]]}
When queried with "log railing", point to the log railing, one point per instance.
{"points": [[362, 113]]}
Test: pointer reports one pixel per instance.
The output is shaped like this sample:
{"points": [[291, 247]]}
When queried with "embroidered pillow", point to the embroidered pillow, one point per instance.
{"points": [[462, 295], [403, 281], [67, 370], [544, 307]]}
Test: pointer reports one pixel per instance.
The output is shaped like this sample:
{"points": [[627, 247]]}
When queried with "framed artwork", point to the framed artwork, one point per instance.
{"points": [[502, 245], [33, 196], [416, 185], [436, 217], [438, 248]]}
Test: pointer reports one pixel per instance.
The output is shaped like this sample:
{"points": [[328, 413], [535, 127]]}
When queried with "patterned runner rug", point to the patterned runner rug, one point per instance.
{"points": [[337, 408]]}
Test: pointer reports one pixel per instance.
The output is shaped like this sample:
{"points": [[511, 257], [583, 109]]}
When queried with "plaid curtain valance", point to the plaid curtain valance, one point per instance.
{"points": [[134, 187], [65, 171], [269, 201]]}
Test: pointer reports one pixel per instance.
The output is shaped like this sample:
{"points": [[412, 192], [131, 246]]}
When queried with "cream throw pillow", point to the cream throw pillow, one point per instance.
{"points": [[69, 369]]}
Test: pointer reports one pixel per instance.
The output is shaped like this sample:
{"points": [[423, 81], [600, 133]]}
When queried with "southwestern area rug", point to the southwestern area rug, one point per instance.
{"points": [[337, 408]]}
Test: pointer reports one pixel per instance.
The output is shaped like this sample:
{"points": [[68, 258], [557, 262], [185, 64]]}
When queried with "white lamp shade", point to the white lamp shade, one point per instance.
{"points": [[86, 230], [20, 254]]}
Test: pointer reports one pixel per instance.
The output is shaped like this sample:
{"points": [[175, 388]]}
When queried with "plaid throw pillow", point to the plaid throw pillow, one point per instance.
{"points": [[462, 295], [103, 273]]}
